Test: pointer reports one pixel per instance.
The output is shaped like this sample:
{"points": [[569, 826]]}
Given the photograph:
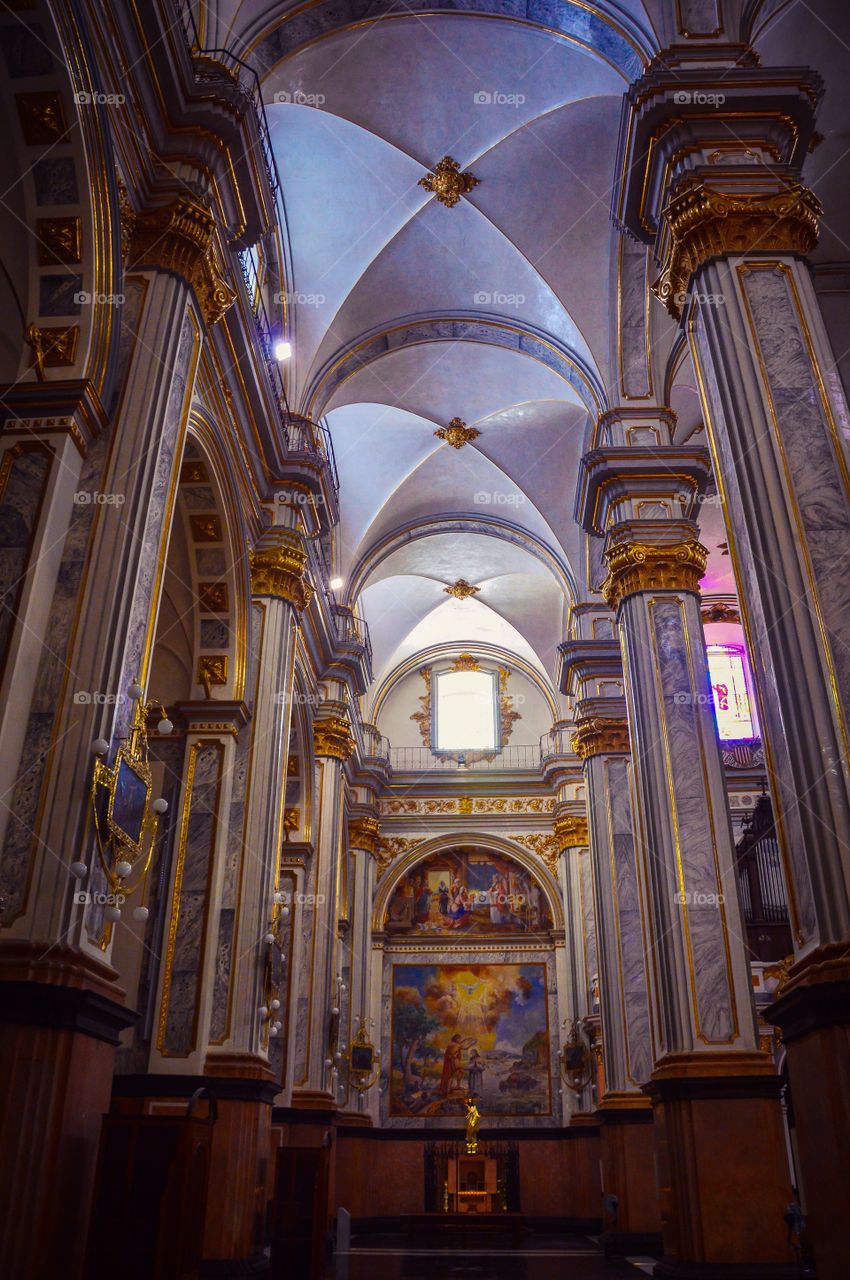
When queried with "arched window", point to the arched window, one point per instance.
{"points": [[466, 711], [733, 704]]}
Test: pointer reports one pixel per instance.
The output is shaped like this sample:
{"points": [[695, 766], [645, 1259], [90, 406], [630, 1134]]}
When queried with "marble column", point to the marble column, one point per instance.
{"points": [[240, 1060], [707, 1065], [102, 544], [730, 239], [364, 840], [571, 835], [592, 674], [319, 1009]]}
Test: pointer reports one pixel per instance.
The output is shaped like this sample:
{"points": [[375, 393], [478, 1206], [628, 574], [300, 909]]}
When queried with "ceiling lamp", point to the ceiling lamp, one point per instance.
{"points": [[282, 349], [335, 584]]}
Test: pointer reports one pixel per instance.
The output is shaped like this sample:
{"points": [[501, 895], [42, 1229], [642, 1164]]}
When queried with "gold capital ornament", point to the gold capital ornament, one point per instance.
{"points": [[365, 833], [601, 736], [704, 223], [635, 567], [179, 237], [332, 737], [278, 564], [570, 830]]}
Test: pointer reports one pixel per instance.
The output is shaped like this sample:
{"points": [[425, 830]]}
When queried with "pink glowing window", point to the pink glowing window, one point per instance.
{"points": [[733, 705]]}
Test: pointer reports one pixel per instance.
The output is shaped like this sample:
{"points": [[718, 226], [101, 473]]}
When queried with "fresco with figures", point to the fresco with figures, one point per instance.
{"points": [[461, 1030], [467, 893]]}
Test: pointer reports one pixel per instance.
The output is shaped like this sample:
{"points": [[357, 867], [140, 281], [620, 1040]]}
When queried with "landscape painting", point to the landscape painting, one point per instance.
{"points": [[461, 893], [479, 1029]]}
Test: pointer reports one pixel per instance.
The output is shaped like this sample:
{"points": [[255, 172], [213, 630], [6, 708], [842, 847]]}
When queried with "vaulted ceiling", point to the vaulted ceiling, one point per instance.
{"points": [[407, 314]]}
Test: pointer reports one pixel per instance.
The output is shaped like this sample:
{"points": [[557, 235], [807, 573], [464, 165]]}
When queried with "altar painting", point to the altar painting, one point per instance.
{"points": [[466, 893], [461, 1030]]}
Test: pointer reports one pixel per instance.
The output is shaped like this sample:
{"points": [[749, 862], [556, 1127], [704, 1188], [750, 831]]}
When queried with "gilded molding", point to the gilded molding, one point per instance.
{"points": [[447, 182], [571, 831], [332, 737], [409, 807], [60, 240], [546, 847], [179, 237], [278, 564], [52, 348], [635, 567], [704, 223], [126, 219], [601, 736], [457, 433]]}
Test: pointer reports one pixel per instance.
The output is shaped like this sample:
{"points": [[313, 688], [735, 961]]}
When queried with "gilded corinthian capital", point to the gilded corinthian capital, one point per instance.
{"points": [[601, 736], [278, 564], [704, 222], [332, 737], [570, 830], [365, 833], [636, 566], [179, 237]]}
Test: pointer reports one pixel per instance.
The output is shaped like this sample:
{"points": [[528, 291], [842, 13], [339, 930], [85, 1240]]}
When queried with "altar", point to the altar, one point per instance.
{"points": [[466, 1184], [472, 1185]]}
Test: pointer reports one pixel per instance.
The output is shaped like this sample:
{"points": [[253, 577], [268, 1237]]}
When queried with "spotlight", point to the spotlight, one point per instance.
{"points": [[282, 350], [335, 584]]}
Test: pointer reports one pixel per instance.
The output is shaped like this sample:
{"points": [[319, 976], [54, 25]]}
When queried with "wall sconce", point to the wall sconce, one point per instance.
{"points": [[364, 1060], [575, 1059], [273, 968], [125, 815]]}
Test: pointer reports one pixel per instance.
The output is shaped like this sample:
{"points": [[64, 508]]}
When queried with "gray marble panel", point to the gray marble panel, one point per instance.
{"points": [[26, 52], [20, 504], [57, 295], [214, 634], [55, 179]]}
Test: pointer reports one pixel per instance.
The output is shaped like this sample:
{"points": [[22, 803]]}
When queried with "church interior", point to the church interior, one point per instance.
{"points": [[425, 639]]}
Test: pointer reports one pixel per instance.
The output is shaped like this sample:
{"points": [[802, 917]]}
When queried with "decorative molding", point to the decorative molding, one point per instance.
{"points": [[60, 240], [212, 669], [457, 433], [178, 237], [52, 348], [278, 564], [332, 737], [466, 662], [126, 219], [472, 805], [462, 590], [719, 611], [601, 736], [635, 567], [704, 223], [42, 118], [393, 848], [212, 597], [571, 831], [447, 183], [545, 845]]}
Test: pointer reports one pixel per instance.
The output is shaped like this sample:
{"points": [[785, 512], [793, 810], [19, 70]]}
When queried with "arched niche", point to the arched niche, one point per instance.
{"points": [[509, 895]]}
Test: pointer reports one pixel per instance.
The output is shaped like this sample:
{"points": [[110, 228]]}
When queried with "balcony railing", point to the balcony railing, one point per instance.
{"points": [[525, 758], [352, 629], [556, 743]]}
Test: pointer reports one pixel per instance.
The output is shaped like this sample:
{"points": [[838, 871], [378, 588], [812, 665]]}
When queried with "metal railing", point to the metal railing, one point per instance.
{"points": [[557, 743], [352, 629], [208, 65], [424, 760]]}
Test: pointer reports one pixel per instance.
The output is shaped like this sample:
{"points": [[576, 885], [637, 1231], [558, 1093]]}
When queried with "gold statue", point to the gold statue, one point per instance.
{"points": [[473, 1119]]}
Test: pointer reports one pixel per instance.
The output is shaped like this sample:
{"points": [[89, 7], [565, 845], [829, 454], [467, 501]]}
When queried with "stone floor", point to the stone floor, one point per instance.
{"points": [[574, 1258]]}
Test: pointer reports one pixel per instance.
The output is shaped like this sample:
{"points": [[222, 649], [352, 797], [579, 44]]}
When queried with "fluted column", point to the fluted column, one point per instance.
{"points": [[318, 1027], [592, 673], [730, 239]]}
